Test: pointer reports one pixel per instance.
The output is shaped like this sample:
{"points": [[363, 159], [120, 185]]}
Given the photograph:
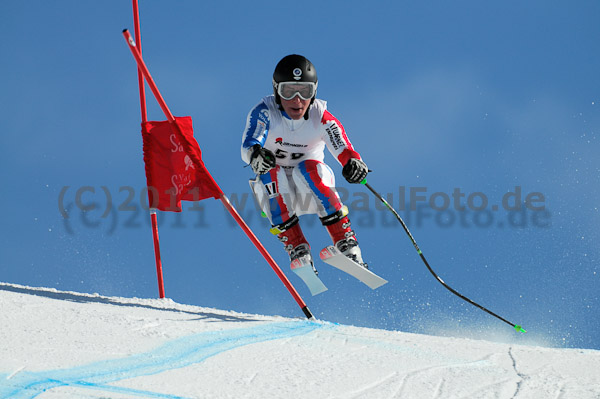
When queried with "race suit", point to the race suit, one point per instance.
{"points": [[300, 183]]}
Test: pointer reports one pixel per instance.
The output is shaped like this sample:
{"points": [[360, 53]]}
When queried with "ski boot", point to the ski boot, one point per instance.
{"points": [[295, 244], [343, 237]]}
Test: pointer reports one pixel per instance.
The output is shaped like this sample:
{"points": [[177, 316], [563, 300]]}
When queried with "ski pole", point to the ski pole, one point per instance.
{"points": [[437, 277]]}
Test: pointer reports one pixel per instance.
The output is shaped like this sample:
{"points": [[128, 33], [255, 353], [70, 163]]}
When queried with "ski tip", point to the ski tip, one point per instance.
{"points": [[520, 329]]}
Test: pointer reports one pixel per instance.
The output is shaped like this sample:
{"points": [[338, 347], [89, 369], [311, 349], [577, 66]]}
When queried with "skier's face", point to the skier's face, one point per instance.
{"points": [[296, 107]]}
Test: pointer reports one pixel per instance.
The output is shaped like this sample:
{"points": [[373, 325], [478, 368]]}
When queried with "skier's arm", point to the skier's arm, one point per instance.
{"points": [[355, 170], [255, 133], [336, 139]]}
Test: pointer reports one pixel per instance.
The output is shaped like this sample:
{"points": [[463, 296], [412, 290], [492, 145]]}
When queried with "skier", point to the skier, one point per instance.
{"points": [[284, 142]]}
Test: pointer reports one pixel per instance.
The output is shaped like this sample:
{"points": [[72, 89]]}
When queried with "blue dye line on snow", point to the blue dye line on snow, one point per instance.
{"points": [[174, 354]]}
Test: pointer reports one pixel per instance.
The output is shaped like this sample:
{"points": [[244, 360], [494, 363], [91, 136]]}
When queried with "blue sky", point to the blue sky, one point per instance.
{"points": [[479, 99]]}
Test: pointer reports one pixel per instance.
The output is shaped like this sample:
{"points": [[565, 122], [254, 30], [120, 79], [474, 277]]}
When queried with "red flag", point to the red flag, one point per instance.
{"points": [[174, 167]]}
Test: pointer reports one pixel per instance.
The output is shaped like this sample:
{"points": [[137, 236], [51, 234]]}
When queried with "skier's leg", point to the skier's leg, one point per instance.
{"points": [[316, 179], [276, 195], [315, 188]]}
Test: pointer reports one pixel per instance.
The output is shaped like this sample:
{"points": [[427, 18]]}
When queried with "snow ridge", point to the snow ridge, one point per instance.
{"points": [[67, 345]]}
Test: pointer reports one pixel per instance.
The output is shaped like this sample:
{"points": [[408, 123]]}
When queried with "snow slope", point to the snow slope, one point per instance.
{"points": [[57, 344]]}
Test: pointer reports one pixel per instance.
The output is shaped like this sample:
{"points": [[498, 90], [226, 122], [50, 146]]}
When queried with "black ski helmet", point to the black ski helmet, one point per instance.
{"points": [[294, 68]]}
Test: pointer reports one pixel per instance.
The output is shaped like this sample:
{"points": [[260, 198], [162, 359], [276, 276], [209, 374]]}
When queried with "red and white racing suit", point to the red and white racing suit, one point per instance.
{"points": [[301, 182]]}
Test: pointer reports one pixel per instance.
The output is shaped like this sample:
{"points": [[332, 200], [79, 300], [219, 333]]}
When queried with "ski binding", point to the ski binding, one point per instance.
{"points": [[335, 258]]}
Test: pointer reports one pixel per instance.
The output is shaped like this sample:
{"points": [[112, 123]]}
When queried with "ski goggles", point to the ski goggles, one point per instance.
{"points": [[289, 90]]}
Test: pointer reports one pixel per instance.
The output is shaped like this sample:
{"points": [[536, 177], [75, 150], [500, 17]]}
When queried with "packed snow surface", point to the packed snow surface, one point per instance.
{"points": [[66, 345]]}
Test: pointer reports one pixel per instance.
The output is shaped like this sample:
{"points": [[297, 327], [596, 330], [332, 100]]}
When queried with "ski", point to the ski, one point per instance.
{"points": [[305, 271], [335, 258]]}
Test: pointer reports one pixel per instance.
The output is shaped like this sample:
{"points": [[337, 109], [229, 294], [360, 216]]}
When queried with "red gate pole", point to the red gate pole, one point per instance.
{"points": [[153, 217], [226, 203]]}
